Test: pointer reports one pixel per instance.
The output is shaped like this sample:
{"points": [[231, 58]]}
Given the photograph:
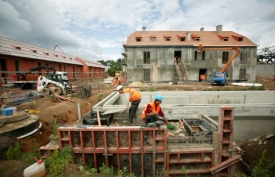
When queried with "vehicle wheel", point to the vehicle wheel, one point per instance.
{"points": [[57, 90], [46, 91]]}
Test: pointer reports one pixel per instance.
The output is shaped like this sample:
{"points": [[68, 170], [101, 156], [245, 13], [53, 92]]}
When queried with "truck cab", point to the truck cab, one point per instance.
{"points": [[219, 78]]}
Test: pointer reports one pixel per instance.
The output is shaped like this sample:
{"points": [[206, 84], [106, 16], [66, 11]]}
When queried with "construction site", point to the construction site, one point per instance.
{"points": [[209, 127], [216, 101]]}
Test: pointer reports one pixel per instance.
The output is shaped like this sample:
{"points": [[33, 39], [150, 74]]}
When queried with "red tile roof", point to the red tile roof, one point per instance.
{"points": [[207, 38]]}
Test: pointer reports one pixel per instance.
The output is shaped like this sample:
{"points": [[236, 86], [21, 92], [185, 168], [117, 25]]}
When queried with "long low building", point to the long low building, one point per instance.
{"points": [[18, 57]]}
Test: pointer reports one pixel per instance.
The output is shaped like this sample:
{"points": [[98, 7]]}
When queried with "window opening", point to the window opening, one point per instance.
{"points": [[243, 57], [225, 57], [138, 39], [225, 39], [146, 57], [153, 38], [203, 55], [182, 39], [167, 38], [196, 55], [197, 39]]}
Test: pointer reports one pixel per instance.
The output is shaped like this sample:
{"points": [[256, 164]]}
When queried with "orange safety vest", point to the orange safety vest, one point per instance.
{"points": [[134, 95], [154, 109]]}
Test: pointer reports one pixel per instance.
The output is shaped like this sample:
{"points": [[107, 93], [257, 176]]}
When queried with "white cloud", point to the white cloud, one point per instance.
{"points": [[96, 29]]}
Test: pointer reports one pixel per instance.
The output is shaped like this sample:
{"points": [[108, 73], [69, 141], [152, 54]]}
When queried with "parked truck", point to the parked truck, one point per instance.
{"points": [[221, 78]]}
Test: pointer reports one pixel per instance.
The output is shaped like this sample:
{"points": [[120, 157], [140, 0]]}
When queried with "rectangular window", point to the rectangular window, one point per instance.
{"points": [[197, 39], [240, 39], [153, 39], [225, 39], [196, 55], [138, 39], [243, 57], [225, 57], [242, 74], [146, 57], [182, 39], [168, 39], [203, 55]]}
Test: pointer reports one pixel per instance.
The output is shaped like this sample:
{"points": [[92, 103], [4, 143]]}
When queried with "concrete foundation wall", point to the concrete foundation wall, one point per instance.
{"points": [[253, 110]]}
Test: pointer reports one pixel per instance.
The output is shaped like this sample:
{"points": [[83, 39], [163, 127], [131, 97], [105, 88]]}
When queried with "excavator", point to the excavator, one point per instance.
{"points": [[220, 78]]}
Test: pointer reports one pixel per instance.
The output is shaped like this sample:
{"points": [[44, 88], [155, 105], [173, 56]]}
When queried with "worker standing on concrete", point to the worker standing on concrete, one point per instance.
{"points": [[153, 113], [135, 98]]}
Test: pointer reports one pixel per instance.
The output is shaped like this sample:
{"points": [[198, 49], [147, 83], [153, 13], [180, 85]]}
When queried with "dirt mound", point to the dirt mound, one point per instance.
{"points": [[137, 84]]}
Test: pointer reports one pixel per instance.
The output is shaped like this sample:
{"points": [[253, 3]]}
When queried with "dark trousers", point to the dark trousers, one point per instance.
{"points": [[151, 119], [133, 109]]}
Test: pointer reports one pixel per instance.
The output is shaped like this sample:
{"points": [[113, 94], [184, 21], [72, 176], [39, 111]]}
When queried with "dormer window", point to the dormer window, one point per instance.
{"points": [[167, 37], [238, 38], [153, 38], [224, 38], [195, 37], [46, 53], [181, 37], [138, 39], [55, 55], [33, 50]]}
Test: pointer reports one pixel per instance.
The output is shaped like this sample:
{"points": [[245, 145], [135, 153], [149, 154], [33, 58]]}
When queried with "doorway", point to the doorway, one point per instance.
{"points": [[202, 75], [177, 56]]}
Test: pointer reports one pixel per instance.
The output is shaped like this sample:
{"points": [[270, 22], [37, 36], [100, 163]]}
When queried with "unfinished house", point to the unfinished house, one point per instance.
{"points": [[165, 56]]}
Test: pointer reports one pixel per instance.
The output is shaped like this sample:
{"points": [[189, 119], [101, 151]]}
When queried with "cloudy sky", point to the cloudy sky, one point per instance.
{"points": [[96, 29]]}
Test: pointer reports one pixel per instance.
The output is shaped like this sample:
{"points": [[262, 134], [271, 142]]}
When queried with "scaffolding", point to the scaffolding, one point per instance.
{"points": [[181, 71]]}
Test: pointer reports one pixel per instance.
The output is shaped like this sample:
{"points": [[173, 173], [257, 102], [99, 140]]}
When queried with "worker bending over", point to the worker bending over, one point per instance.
{"points": [[153, 114], [135, 98]]}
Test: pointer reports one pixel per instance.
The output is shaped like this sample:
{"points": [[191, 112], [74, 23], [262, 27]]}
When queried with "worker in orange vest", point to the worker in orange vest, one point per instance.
{"points": [[152, 114], [135, 98]]}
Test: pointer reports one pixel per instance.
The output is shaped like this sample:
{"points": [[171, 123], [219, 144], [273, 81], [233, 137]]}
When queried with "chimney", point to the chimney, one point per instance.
{"points": [[144, 28], [219, 29], [202, 29], [188, 34]]}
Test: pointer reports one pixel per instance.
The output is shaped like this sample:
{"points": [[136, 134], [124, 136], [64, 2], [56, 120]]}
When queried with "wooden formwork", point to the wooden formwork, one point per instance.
{"points": [[147, 151]]}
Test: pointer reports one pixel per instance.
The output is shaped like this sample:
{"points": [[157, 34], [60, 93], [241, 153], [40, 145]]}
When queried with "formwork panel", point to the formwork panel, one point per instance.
{"points": [[148, 139], [136, 164], [113, 161], [111, 139], [124, 160], [148, 164], [75, 139], [89, 159], [135, 139], [190, 161], [87, 139], [77, 158], [99, 139], [123, 139]]}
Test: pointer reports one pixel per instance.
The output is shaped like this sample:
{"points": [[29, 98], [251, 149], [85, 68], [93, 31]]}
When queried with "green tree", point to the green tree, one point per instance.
{"points": [[114, 66]]}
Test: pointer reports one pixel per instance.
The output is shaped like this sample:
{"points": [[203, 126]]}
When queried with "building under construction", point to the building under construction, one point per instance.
{"points": [[151, 55]]}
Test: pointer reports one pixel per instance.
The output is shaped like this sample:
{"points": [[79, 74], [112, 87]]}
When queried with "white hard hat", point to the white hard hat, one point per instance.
{"points": [[119, 87]]}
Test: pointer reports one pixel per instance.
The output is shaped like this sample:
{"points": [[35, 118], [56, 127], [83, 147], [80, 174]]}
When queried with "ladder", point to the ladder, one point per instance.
{"points": [[181, 71]]}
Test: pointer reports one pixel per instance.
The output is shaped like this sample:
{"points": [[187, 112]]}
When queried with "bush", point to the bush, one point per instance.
{"points": [[29, 157], [14, 152]]}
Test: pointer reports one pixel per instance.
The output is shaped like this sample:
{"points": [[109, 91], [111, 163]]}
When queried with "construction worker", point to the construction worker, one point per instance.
{"points": [[135, 98], [153, 113]]}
